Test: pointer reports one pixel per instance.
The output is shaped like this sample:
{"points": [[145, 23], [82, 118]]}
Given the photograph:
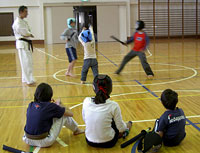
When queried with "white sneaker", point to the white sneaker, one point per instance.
{"points": [[150, 77]]}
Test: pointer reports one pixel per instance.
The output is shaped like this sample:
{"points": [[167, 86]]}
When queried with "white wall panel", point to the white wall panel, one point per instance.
{"points": [[59, 21], [107, 22]]}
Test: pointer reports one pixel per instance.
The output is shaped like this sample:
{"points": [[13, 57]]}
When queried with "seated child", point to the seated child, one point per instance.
{"points": [[86, 37], [44, 119], [102, 116], [171, 125]]}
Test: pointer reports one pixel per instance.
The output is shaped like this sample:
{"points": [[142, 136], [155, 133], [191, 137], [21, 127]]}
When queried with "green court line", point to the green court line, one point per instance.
{"points": [[31, 149]]}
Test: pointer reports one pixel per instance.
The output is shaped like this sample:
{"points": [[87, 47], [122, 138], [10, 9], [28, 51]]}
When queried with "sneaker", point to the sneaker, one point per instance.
{"points": [[33, 84], [155, 149], [129, 125], [82, 82], [78, 131], [116, 72], [150, 77]]}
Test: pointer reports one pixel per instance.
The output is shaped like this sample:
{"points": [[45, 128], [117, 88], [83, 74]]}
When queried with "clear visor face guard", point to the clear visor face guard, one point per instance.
{"points": [[136, 25]]}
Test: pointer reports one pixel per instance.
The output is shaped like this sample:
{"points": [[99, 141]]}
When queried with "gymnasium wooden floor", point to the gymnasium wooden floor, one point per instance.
{"points": [[175, 62]]}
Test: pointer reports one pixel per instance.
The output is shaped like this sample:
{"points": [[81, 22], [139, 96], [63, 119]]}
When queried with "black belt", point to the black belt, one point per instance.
{"points": [[30, 44], [37, 137]]}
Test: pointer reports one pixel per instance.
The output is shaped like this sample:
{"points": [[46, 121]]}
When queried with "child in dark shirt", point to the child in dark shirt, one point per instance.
{"points": [[171, 125], [45, 119]]}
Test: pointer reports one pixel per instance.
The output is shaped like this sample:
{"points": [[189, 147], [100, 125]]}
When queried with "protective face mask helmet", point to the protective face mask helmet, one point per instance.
{"points": [[69, 21], [86, 36], [139, 25]]}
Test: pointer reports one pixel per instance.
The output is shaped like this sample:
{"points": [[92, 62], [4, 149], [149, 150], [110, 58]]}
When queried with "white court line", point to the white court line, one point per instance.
{"points": [[3, 78], [160, 83], [62, 143], [37, 149], [136, 85], [50, 55], [131, 93], [142, 92], [75, 106], [152, 120], [149, 52], [44, 76], [40, 50], [55, 76]]}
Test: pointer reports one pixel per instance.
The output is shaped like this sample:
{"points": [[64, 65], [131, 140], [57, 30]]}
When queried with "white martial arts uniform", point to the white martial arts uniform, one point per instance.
{"points": [[21, 29], [58, 123]]}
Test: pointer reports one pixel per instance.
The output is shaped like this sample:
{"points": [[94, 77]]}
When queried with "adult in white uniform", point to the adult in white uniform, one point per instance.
{"points": [[22, 31]]}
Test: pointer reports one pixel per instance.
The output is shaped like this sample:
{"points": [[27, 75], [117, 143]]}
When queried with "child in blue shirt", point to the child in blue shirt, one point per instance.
{"points": [[171, 125]]}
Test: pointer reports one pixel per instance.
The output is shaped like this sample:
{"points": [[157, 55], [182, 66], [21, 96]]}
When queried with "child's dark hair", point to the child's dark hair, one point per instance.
{"points": [[22, 8], [102, 87], [86, 26], [169, 99], [43, 93]]}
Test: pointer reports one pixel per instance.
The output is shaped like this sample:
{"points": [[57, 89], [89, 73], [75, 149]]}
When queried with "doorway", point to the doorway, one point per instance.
{"points": [[86, 15]]}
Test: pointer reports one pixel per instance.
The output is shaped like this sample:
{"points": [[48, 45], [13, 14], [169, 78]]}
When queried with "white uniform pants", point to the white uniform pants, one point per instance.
{"points": [[25, 57], [68, 122]]}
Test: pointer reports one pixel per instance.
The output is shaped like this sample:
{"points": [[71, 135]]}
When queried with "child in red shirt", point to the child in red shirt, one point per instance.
{"points": [[141, 41]]}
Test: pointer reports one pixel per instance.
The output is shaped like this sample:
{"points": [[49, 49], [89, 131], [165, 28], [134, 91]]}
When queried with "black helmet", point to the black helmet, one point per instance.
{"points": [[139, 25]]}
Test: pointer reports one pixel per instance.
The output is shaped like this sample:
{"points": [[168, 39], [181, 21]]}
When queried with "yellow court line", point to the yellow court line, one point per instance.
{"points": [[117, 100], [14, 106]]}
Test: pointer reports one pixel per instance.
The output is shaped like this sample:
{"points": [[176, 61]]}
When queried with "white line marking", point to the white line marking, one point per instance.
{"points": [[152, 120], [49, 55], [62, 143], [75, 106], [55, 76], [5, 78], [183, 79], [149, 52], [54, 57], [195, 116], [131, 93], [142, 92], [136, 85], [37, 149]]}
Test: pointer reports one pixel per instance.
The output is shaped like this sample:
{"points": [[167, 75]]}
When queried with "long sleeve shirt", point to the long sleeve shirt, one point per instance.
{"points": [[71, 36], [98, 118], [89, 47]]}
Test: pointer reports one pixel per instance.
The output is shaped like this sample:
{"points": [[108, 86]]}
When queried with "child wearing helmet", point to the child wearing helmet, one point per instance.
{"points": [[71, 37], [141, 42], [86, 37], [102, 116]]}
